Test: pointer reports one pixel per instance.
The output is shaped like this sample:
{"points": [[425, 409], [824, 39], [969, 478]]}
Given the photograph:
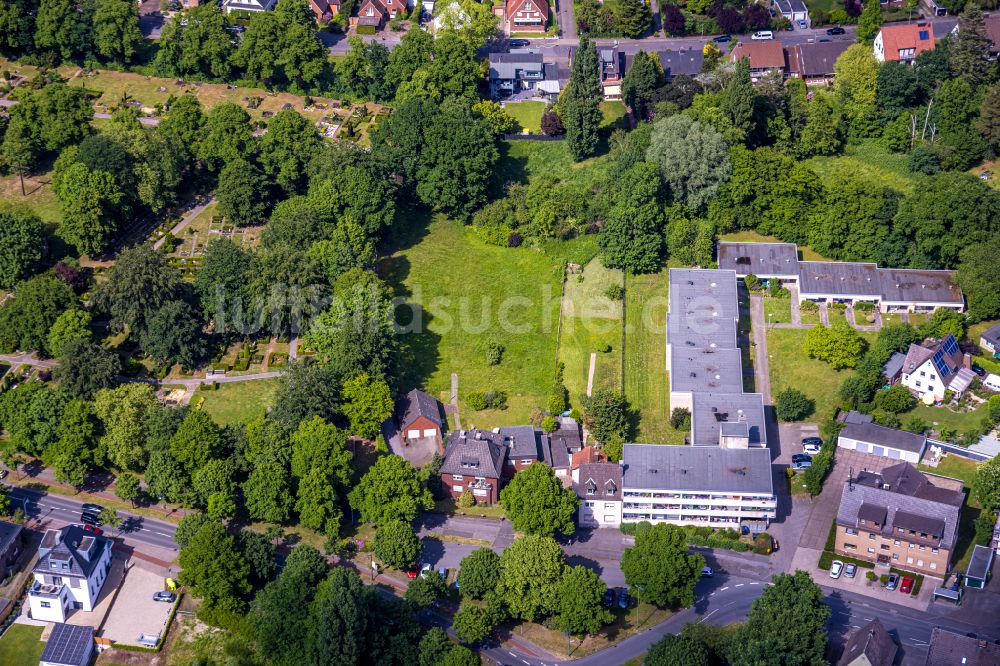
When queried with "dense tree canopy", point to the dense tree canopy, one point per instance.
{"points": [[536, 502], [659, 567]]}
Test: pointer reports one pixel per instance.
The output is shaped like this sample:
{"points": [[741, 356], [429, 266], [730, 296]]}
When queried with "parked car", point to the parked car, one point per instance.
{"points": [[443, 572], [801, 465], [824, 39], [609, 598], [836, 31], [812, 445], [777, 546], [707, 572], [803, 26], [3, 474], [722, 39], [906, 586], [836, 569], [893, 581], [762, 36], [801, 457], [169, 597], [413, 571], [94, 529], [89, 519], [425, 570], [623, 599], [850, 569], [975, 368], [519, 43], [92, 508]]}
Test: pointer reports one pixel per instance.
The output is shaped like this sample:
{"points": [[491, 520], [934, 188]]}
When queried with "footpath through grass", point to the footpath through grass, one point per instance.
{"points": [[21, 645], [591, 323]]}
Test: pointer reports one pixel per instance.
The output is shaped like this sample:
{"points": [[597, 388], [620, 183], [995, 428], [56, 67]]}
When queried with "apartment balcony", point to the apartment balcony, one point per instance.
{"points": [[42, 590], [480, 485]]}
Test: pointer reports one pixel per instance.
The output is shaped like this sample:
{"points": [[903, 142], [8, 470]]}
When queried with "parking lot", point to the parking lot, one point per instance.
{"points": [[134, 612]]}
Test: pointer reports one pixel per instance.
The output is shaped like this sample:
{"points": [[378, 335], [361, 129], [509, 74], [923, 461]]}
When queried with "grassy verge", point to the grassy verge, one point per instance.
{"points": [[647, 385], [21, 645], [482, 511], [777, 310], [626, 623], [238, 402]]}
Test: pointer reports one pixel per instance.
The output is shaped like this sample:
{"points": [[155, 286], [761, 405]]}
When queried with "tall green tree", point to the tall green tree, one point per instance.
{"points": [[396, 544], [90, 202], [367, 404], [338, 621], [85, 368], [242, 193], [122, 411], [632, 237], [27, 318], [692, 157], [970, 52], [17, 24], [870, 22], [196, 43], [531, 570], [138, 285], [226, 137], [641, 82], [479, 573], [290, 143], [856, 86], [788, 619], [214, 570], [45, 121], [172, 334], [391, 490], [659, 567], [65, 27], [117, 35], [581, 597], [197, 440], [21, 242], [581, 112], [738, 98], [978, 280], [222, 278], [536, 502], [267, 492]]}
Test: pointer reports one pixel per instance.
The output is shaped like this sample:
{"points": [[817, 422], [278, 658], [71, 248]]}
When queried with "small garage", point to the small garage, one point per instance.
{"points": [[978, 571], [883, 441]]}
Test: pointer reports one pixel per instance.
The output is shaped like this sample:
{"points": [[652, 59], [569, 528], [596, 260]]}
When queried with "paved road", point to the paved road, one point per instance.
{"points": [[61, 510]]}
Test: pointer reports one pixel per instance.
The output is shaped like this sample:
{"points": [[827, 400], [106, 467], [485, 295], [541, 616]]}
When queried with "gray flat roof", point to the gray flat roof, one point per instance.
{"points": [[705, 369], [979, 564], [704, 308], [665, 467], [710, 410], [881, 435], [992, 334], [905, 285], [761, 259], [835, 278]]}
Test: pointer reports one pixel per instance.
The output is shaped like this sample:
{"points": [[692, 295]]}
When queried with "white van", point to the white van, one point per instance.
{"points": [[762, 36]]}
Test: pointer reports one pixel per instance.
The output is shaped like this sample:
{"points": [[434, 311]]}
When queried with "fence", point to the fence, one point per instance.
{"points": [[531, 137], [960, 451]]}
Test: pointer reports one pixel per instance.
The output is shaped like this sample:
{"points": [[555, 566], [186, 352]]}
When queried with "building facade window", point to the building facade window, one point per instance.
{"points": [[850, 546], [871, 550]]}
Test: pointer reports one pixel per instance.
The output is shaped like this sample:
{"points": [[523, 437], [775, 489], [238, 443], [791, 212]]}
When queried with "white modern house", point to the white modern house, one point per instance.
{"points": [[883, 441], [929, 371], [600, 491], [698, 485], [72, 567]]}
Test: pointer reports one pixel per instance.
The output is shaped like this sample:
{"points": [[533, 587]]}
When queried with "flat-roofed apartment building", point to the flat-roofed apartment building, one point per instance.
{"points": [[891, 289], [696, 485], [900, 518], [704, 360]]}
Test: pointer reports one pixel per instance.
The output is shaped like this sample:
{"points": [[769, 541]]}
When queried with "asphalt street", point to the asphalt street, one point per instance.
{"points": [[58, 510], [723, 600]]}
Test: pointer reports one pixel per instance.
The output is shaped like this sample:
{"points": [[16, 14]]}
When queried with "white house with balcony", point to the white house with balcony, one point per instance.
{"points": [[695, 485], [72, 566]]}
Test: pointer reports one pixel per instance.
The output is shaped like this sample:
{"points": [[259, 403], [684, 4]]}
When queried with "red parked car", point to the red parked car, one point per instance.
{"points": [[413, 571], [907, 585], [93, 528]]}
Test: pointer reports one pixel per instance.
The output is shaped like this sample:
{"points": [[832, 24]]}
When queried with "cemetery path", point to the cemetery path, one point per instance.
{"points": [[179, 227]]}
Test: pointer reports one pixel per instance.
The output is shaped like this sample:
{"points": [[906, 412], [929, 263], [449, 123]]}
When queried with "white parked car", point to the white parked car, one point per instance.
{"points": [[762, 36], [836, 569]]}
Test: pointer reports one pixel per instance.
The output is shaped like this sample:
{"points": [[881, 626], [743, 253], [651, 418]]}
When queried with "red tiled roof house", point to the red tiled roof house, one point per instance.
{"points": [[903, 43], [527, 15]]}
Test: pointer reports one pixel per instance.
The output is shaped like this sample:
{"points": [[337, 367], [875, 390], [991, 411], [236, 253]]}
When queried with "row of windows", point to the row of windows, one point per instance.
{"points": [[895, 556]]}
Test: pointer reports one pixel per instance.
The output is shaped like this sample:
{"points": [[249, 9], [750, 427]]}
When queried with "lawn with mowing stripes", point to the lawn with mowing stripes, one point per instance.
{"points": [[646, 380], [591, 323], [21, 645]]}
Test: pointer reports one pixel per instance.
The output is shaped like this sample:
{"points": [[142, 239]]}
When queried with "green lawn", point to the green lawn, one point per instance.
{"points": [[21, 645], [943, 417], [520, 160], [954, 467], [647, 385], [591, 321], [527, 114], [468, 293], [791, 368], [867, 160], [237, 402], [777, 310]]}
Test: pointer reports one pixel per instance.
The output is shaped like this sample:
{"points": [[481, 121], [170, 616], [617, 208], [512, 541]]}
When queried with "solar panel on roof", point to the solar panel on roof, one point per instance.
{"points": [[924, 35], [950, 346], [940, 364]]}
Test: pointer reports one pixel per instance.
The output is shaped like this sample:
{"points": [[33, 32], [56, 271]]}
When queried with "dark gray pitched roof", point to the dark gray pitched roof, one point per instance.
{"points": [[8, 532], [474, 453], [872, 641], [854, 417], [992, 334], [69, 551], [668, 467], [948, 648], [564, 442], [601, 478], [415, 404], [911, 502], [894, 365], [881, 435], [68, 644], [817, 59], [837, 278], [523, 442]]}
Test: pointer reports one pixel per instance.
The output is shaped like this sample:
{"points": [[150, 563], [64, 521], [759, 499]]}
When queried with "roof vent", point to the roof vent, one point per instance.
{"points": [[653, 470]]}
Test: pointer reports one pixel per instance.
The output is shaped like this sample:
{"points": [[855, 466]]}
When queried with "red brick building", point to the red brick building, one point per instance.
{"points": [[474, 460], [419, 417]]}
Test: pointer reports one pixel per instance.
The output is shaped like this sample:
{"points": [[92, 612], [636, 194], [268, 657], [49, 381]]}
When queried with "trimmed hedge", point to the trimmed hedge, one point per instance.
{"points": [[704, 537]]}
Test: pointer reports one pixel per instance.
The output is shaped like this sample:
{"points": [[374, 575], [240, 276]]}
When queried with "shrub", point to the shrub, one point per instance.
{"points": [[476, 401], [793, 405], [558, 399], [763, 544], [605, 348], [752, 283], [495, 399], [614, 293], [549, 424], [870, 575], [680, 418], [494, 352], [813, 477], [884, 579], [592, 228], [466, 500], [552, 124], [515, 240]]}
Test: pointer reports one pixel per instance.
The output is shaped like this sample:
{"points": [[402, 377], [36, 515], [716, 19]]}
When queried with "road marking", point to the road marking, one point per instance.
{"points": [[712, 594], [526, 661], [707, 616], [757, 583], [869, 619], [855, 626], [511, 653], [739, 585]]}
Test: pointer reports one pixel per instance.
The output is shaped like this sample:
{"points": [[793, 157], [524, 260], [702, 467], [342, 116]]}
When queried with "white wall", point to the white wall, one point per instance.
{"points": [[598, 512], [878, 450]]}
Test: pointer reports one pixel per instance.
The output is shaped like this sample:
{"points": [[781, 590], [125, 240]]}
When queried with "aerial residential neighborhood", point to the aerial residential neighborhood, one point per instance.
{"points": [[541, 332]]}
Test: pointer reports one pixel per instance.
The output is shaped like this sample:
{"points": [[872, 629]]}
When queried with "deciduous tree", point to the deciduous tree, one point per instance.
{"points": [[531, 570], [659, 568], [581, 602], [632, 237], [86, 368], [537, 503], [479, 573], [117, 35], [692, 157], [26, 319], [214, 569], [391, 490], [138, 285], [21, 243], [367, 404], [396, 544], [172, 334]]}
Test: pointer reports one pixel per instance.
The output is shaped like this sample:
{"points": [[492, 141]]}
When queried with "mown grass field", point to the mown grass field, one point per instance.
{"points": [[647, 384], [867, 160], [591, 322], [21, 645], [527, 114], [238, 402], [777, 310]]}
